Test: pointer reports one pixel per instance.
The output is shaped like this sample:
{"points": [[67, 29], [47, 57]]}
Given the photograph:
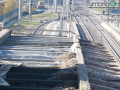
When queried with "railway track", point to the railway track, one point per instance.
{"points": [[110, 40], [39, 32], [88, 35], [41, 27], [102, 56]]}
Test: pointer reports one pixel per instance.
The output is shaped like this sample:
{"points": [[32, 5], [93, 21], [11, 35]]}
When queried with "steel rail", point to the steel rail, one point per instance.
{"points": [[87, 29], [79, 27], [110, 46], [105, 39], [106, 32], [42, 27], [107, 42]]}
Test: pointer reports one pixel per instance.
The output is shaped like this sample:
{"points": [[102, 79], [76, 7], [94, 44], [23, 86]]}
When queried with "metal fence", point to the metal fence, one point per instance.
{"points": [[2, 17]]}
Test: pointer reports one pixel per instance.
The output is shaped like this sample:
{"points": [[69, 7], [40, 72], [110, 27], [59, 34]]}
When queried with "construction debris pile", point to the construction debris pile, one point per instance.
{"points": [[69, 60], [67, 56], [69, 64]]}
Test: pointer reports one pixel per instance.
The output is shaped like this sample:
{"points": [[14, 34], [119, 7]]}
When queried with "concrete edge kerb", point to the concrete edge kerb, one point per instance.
{"points": [[82, 73], [11, 17], [3, 71], [4, 34]]}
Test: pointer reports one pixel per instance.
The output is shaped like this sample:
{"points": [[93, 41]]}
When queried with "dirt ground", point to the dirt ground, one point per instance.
{"points": [[66, 86], [66, 75], [70, 74], [69, 60]]}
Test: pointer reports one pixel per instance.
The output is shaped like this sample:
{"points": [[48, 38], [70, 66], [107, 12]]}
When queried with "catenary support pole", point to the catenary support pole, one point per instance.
{"points": [[20, 7], [4, 16], [29, 8], [55, 6], [108, 15], [68, 10], [64, 4], [60, 27], [73, 4], [119, 15]]}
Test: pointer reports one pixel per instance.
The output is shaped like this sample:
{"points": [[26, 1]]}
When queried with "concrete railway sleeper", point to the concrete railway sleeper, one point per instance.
{"points": [[104, 83], [94, 49], [92, 46], [96, 57], [103, 63], [95, 52], [102, 66], [102, 75], [100, 60], [103, 69], [91, 43], [98, 54]]}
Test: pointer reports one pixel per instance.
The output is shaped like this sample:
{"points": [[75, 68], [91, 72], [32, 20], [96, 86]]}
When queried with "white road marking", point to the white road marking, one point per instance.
{"points": [[67, 26], [48, 27], [75, 28], [55, 28], [44, 32]]}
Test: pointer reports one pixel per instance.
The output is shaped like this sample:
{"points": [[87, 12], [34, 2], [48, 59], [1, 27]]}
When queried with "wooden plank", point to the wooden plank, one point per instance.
{"points": [[3, 82], [5, 67], [13, 64], [2, 73], [43, 82]]}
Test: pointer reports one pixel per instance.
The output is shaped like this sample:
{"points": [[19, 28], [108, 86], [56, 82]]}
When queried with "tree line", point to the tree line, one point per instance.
{"points": [[9, 6]]}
